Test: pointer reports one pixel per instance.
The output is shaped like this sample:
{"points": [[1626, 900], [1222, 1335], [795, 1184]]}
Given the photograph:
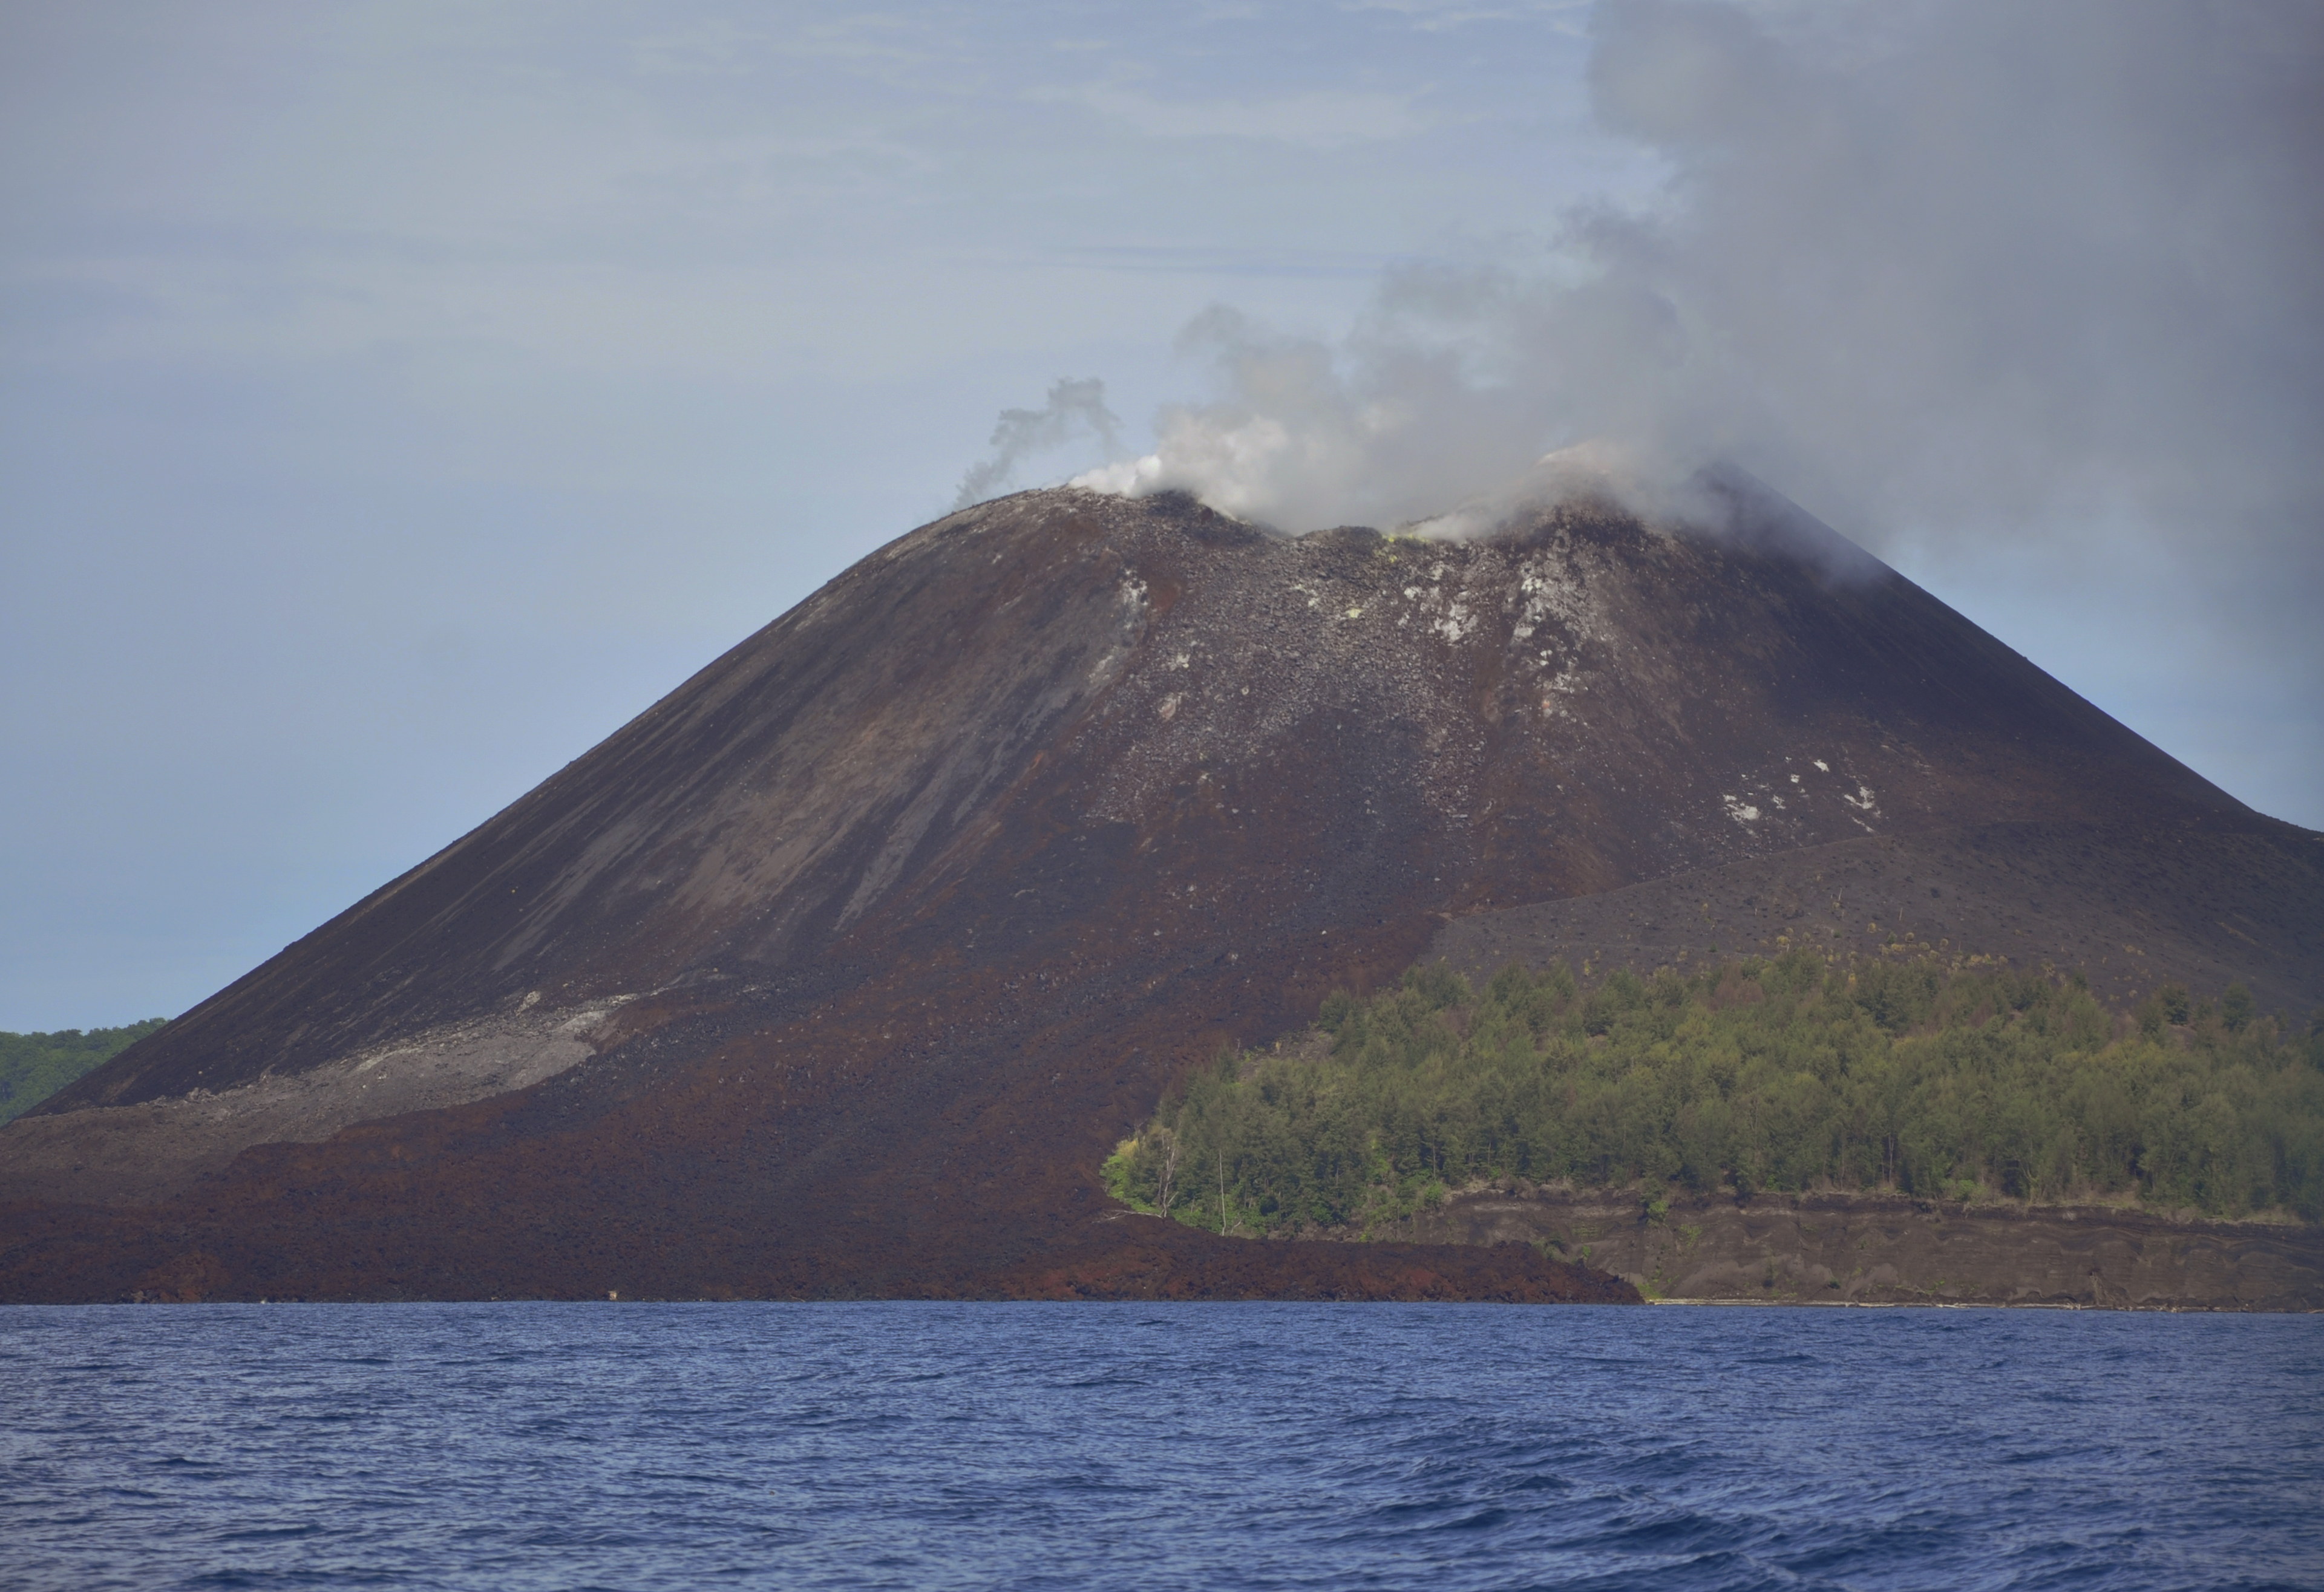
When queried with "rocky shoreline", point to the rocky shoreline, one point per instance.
{"points": [[1843, 1248]]}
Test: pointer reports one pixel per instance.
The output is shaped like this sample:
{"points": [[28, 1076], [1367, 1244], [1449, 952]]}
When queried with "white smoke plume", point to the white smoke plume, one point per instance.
{"points": [[1934, 267], [1021, 434]]}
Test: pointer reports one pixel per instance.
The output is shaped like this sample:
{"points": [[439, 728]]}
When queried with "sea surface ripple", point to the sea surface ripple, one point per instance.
{"points": [[648, 1446]]}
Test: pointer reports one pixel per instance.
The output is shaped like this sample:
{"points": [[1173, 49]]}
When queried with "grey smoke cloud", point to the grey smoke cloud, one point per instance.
{"points": [[1021, 434], [1940, 270]]}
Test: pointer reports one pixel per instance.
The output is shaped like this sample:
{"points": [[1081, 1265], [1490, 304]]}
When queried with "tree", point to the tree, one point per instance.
{"points": [[2235, 1008], [1166, 1170], [1783, 1074]]}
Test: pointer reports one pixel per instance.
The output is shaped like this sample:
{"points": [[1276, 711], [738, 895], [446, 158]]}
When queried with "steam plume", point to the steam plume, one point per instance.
{"points": [[1932, 269], [1023, 433]]}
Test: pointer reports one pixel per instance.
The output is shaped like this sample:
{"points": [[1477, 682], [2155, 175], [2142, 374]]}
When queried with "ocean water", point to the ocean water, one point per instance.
{"points": [[632, 1446]]}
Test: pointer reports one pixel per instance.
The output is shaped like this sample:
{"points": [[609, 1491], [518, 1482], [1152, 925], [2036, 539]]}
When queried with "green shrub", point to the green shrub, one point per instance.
{"points": [[1777, 1075]]}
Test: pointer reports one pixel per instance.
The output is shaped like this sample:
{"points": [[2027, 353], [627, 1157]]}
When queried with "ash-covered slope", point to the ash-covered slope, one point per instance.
{"points": [[839, 970]]}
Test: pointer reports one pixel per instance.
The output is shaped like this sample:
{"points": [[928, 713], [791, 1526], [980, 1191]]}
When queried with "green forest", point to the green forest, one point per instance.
{"points": [[1957, 1082], [34, 1066]]}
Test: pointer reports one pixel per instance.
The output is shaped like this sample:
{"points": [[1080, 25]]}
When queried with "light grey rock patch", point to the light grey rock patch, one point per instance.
{"points": [[134, 1154]]}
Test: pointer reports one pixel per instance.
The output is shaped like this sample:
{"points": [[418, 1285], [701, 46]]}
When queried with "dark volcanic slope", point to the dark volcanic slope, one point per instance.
{"points": [[2134, 909], [878, 932]]}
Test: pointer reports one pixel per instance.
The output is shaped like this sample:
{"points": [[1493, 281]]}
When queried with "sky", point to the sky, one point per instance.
{"points": [[396, 399]]}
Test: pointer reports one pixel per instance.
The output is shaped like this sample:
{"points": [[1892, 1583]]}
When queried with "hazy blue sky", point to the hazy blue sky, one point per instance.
{"points": [[395, 398]]}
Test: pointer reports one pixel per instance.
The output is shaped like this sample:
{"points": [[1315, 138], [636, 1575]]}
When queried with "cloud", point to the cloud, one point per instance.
{"points": [[1321, 119], [712, 48], [1442, 15]]}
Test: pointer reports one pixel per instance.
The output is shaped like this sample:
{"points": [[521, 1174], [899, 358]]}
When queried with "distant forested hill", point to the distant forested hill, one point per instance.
{"points": [[34, 1066]]}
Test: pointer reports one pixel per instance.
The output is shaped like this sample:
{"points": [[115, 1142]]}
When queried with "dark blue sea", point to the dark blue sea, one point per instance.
{"points": [[511, 1446]]}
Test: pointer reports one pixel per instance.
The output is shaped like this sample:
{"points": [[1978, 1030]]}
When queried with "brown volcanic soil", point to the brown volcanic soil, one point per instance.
{"points": [[1851, 1248], [915, 901]]}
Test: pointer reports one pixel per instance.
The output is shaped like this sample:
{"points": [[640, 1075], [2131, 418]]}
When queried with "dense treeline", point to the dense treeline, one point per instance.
{"points": [[1788, 1074], [34, 1066]]}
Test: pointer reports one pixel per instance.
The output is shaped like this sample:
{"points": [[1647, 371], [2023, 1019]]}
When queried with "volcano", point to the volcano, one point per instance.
{"points": [[839, 970]]}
